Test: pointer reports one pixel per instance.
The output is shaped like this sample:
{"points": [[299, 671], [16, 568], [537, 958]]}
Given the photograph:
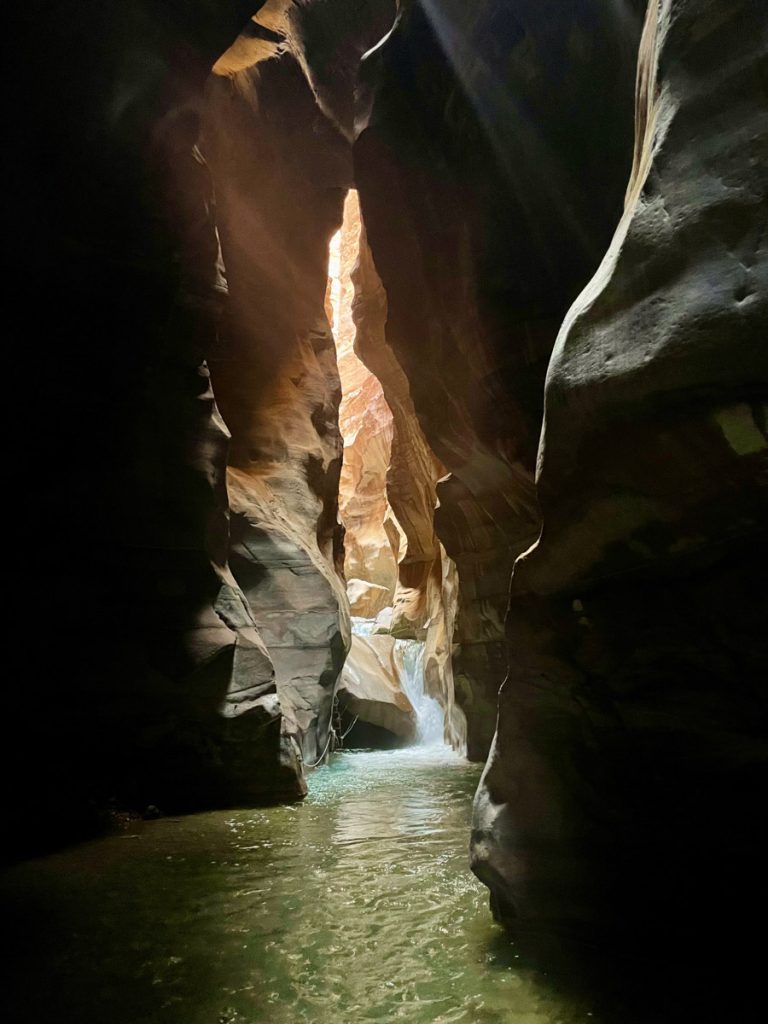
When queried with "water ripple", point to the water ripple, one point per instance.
{"points": [[357, 905]]}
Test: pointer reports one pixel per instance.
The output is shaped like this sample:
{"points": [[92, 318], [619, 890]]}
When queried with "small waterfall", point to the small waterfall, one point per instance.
{"points": [[409, 657], [363, 627], [430, 717]]}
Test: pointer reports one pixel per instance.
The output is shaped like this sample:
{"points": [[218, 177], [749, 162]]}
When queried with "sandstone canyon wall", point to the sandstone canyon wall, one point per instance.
{"points": [[615, 459], [278, 203], [153, 684], [634, 711], [397, 571], [275, 136], [371, 533], [492, 150], [371, 690]]}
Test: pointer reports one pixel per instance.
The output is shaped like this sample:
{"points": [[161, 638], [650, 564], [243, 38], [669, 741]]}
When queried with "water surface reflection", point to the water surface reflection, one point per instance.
{"points": [[356, 905]]}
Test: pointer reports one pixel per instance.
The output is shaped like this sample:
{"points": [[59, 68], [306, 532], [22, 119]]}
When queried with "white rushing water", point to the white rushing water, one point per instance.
{"points": [[363, 627], [430, 717], [409, 655]]}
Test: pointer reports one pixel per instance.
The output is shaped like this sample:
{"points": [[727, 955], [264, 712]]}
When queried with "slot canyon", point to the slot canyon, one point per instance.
{"points": [[392, 421]]}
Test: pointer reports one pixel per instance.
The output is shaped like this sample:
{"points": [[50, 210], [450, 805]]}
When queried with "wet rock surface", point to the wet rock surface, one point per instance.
{"points": [[371, 689]]}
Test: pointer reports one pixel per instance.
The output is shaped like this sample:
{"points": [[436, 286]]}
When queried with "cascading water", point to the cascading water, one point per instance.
{"points": [[363, 627], [409, 656], [430, 717]]}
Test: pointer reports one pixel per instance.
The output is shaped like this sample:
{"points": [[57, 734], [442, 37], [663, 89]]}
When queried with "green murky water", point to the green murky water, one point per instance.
{"points": [[355, 906]]}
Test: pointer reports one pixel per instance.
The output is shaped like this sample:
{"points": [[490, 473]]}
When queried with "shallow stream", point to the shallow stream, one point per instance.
{"points": [[355, 906]]}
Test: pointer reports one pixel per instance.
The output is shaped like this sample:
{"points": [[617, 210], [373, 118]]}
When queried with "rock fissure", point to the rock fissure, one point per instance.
{"points": [[390, 389]]}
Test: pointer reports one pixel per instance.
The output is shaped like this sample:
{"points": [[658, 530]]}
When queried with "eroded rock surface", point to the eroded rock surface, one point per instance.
{"points": [[493, 146], [388, 484], [156, 687], [282, 164], [372, 535], [631, 741], [370, 687]]}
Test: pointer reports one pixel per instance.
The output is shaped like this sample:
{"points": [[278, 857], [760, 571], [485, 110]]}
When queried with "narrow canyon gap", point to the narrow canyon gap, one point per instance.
{"points": [[545, 495], [401, 585]]}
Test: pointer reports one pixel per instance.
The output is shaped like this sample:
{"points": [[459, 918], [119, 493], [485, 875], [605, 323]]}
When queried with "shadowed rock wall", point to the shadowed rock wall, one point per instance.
{"points": [[635, 708], [493, 146], [154, 686]]}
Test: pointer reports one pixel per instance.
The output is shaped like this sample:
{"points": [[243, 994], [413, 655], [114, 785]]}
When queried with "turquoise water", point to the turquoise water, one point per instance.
{"points": [[355, 906]]}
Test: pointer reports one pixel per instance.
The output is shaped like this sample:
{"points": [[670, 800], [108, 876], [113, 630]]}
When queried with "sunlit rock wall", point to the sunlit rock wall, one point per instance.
{"points": [[493, 147], [635, 709], [371, 538], [275, 374], [413, 469], [276, 138], [393, 559]]}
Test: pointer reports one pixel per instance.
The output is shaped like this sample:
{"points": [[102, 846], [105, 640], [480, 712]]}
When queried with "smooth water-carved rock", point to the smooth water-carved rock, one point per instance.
{"points": [[493, 145], [299, 602], [634, 712], [282, 166], [140, 698], [388, 484], [370, 687]]}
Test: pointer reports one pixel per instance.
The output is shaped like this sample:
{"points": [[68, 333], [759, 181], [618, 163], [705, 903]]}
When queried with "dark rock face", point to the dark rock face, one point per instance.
{"points": [[493, 147], [153, 684], [630, 753]]}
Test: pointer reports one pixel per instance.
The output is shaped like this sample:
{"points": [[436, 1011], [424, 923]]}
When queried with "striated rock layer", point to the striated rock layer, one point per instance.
{"points": [[492, 148], [282, 165], [394, 563], [630, 753], [153, 685], [371, 690]]}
